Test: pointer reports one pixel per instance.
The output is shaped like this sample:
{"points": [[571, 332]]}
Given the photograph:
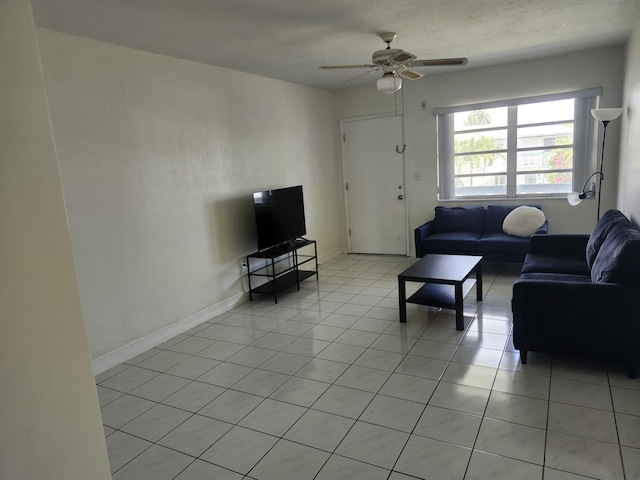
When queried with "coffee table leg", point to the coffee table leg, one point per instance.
{"points": [[402, 300], [459, 307], [479, 282]]}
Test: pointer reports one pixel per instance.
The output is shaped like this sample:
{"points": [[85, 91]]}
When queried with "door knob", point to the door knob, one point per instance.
{"points": [[400, 197]]}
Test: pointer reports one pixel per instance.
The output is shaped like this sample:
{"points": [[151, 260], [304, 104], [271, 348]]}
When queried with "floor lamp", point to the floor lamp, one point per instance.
{"points": [[604, 115]]}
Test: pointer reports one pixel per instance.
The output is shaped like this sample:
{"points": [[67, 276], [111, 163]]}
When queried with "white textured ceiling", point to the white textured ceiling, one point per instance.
{"points": [[289, 39]]}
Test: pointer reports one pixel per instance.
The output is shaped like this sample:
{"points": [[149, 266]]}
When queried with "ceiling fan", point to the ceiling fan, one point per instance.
{"points": [[396, 64]]}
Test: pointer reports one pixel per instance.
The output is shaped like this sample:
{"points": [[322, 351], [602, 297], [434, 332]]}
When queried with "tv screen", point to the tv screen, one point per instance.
{"points": [[279, 216]]}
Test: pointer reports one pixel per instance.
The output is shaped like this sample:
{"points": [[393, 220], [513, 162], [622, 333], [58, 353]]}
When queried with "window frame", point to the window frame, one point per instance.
{"points": [[584, 143]]}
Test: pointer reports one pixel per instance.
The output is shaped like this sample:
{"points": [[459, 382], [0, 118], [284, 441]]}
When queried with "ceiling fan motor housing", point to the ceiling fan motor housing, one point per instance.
{"points": [[382, 57], [392, 56]]}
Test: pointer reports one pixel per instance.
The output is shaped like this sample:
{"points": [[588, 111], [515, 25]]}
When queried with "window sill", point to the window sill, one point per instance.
{"points": [[506, 199]]}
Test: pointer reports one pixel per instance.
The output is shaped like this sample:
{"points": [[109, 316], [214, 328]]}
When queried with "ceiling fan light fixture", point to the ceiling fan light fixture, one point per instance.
{"points": [[389, 83]]}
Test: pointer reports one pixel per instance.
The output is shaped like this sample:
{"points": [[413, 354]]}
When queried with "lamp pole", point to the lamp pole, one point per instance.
{"points": [[604, 115], [604, 134]]}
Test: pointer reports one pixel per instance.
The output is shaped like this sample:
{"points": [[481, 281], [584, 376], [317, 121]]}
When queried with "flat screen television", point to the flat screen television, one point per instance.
{"points": [[279, 216]]}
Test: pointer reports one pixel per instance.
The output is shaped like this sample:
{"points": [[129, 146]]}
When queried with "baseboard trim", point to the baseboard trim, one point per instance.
{"points": [[330, 255], [141, 345]]}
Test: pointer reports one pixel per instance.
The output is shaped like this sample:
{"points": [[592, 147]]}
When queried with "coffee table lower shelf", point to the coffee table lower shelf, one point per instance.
{"points": [[440, 295]]}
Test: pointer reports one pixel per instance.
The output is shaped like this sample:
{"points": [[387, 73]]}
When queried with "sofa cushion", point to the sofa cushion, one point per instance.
{"points": [[618, 260], [451, 242], [556, 277], [600, 231], [540, 263], [523, 221], [501, 242], [495, 216], [458, 219]]}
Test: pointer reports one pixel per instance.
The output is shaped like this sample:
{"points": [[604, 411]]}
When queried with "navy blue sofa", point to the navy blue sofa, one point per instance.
{"points": [[472, 230], [577, 295]]}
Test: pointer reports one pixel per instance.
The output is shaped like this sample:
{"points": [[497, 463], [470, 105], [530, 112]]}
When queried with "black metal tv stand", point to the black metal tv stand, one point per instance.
{"points": [[280, 265]]}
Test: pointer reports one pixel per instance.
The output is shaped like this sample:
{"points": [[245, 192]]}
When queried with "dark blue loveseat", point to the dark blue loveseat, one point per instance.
{"points": [[472, 230], [577, 295]]}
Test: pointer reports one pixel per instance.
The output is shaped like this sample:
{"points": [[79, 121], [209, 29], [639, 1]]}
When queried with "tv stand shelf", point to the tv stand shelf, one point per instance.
{"points": [[280, 266]]}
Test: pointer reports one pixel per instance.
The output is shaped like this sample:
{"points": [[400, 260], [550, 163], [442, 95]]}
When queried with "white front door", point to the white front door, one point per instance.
{"points": [[374, 183]]}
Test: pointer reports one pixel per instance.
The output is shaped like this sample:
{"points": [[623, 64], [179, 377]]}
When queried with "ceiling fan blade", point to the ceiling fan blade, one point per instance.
{"points": [[402, 57], [409, 74], [358, 76], [439, 62], [329, 67]]}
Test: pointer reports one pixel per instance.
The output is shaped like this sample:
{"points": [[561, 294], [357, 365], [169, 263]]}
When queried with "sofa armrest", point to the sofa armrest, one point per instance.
{"points": [[562, 308], [557, 295], [550, 300], [543, 229], [574, 317], [567, 245], [420, 233]]}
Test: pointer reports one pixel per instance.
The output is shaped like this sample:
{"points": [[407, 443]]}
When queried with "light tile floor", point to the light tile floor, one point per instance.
{"points": [[329, 385]]}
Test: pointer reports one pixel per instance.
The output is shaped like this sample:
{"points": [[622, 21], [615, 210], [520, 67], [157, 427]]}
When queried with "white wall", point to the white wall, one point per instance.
{"points": [[49, 414], [158, 158], [601, 67], [629, 194]]}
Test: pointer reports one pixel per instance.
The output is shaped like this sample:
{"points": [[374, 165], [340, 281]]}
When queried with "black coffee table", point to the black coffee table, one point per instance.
{"points": [[447, 281]]}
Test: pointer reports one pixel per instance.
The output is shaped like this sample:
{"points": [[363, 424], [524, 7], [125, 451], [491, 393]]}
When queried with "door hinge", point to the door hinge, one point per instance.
{"points": [[349, 232], [344, 138], [346, 186]]}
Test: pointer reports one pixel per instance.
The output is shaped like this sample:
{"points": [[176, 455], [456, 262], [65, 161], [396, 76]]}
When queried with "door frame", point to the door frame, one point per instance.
{"points": [[346, 120]]}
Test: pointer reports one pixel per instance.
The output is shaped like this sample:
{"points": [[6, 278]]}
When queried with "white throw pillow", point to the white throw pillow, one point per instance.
{"points": [[523, 221]]}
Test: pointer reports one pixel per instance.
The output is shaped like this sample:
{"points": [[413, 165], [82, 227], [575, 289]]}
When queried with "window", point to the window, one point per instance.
{"points": [[537, 146]]}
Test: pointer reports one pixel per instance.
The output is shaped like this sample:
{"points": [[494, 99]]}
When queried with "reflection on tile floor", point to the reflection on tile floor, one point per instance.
{"points": [[329, 385]]}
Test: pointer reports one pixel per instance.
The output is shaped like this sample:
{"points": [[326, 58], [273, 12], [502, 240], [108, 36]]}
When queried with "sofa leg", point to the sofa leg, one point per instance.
{"points": [[523, 357], [632, 371]]}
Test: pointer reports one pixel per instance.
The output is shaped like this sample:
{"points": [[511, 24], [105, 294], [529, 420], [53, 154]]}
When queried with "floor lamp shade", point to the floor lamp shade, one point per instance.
{"points": [[574, 198], [606, 114]]}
